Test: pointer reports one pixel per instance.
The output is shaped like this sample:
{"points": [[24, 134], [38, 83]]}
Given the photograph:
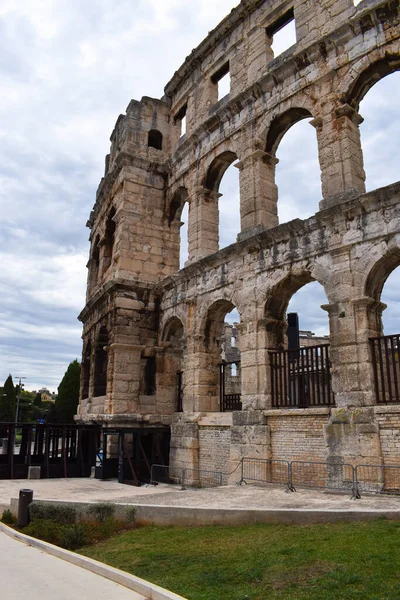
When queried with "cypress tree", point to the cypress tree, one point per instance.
{"points": [[7, 401], [68, 394]]}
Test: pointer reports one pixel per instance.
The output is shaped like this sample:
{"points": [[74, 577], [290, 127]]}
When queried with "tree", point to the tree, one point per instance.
{"points": [[68, 394], [7, 401]]}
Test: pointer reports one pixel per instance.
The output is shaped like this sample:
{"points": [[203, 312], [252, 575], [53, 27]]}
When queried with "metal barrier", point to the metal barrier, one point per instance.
{"points": [[378, 479], [202, 478], [166, 474], [265, 470], [323, 475]]}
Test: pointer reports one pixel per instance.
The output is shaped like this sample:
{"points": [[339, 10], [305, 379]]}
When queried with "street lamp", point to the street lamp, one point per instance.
{"points": [[20, 386]]}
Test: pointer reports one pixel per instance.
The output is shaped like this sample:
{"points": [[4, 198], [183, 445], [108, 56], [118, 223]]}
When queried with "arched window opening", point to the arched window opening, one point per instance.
{"points": [[223, 179], [95, 263], [109, 239], [380, 132], [382, 318], [172, 380], [223, 359], [298, 339], [155, 139], [298, 172], [101, 364], [391, 297], [282, 33], [86, 362], [178, 220]]}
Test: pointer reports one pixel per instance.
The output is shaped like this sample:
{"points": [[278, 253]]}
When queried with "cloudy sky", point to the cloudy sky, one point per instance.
{"points": [[68, 69]]}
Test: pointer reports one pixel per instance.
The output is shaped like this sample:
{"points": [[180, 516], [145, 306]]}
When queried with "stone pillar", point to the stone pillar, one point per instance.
{"points": [[353, 433], [340, 155], [203, 237], [250, 437], [184, 445], [258, 191], [254, 361], [124, 395], [260, 53], [352, 323]]}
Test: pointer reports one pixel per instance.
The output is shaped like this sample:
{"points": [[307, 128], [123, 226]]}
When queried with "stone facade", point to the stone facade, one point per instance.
{"points": [[146, 321]]}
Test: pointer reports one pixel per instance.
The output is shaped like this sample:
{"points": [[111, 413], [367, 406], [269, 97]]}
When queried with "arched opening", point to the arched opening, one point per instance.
{"points": [[109, 239], [222, 373], [178, 220], [101, 363], [172, 376], [380, 131], [223, 179], [298, 342], [293, 142], [383, 322], [95, 262], [155, 139], [85, 370]]}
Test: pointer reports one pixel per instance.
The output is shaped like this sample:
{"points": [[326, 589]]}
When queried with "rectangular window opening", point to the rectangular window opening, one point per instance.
{"points": [[282, 33], [180, 119], [222, 79]]}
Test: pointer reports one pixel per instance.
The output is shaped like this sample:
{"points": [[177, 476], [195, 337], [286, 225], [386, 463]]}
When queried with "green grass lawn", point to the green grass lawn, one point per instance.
{"points": [[262, 562]]}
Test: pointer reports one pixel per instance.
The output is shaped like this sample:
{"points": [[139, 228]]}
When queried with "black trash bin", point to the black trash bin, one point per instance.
{"points": [[25, 498]]}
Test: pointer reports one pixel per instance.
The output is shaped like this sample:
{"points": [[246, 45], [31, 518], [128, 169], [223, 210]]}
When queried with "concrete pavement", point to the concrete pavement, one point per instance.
{"points": [[26, 572]]}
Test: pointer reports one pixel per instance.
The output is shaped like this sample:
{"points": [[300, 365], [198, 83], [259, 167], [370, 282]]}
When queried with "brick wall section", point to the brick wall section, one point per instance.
{"points": [[214, 449], [298, 437], [389, 431]]}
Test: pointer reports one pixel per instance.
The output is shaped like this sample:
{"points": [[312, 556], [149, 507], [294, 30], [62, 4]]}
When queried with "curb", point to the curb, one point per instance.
{"points": [[147, 590]]}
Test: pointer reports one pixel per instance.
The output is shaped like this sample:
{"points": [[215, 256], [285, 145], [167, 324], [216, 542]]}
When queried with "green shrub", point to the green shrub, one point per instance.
{"points": [[130, 514], [44, 529], [63, 514], [7, 517], [101, 511], [73, 536]]}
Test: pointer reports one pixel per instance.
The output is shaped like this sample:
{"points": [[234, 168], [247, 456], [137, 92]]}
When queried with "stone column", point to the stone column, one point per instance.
{"points": [[203, 226], [258, 191], [340, 155], [260, 53], [353, 433], [254, 365]]}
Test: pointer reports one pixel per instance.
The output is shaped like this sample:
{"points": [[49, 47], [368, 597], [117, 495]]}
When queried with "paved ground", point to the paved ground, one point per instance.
{"points": [[26, 572], [246, 496]]}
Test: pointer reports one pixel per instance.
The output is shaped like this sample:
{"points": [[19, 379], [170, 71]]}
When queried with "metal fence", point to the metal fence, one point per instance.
{"points": [[202, 478], [385, 361], [301, 378], [323, 475], [265, 470], [344, 477], [381, 479], [166, 474]]}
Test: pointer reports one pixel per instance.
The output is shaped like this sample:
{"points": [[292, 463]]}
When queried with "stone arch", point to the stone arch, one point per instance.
{"points": [[178, 200], [171, 372], [173, 332], [380, 271], [217, 169], [277, 301], [281, 124], [368, 76]]}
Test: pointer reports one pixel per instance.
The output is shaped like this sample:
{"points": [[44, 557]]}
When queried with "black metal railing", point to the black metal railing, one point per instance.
{"points": [[301, 378], [230, 398], [385, 361], [265, 470]]}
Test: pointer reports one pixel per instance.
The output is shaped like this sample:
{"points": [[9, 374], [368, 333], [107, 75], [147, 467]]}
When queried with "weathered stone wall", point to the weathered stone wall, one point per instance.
{"points": [[214, 448], [150, 327]]}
